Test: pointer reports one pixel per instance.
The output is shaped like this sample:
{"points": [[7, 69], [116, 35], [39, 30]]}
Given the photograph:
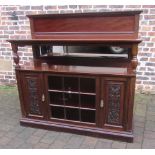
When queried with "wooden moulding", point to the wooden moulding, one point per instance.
{"points": [[95, 132]]}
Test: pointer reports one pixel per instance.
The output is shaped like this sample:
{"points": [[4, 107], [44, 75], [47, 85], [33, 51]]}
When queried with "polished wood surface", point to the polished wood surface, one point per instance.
{"points": [[80, 25], [46, 66], [101, 25]]}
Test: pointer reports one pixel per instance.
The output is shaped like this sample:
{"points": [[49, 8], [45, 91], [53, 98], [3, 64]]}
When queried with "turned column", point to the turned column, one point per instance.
{"points": [[134, 60], [15, 54]]}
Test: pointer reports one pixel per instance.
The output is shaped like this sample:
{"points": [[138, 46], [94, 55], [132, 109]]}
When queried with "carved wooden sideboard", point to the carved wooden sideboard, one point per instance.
{"points": [[87, 88]]}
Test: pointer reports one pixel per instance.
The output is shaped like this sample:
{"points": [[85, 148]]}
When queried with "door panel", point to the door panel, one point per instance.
{"points": [[32, 90], [114, 96]]}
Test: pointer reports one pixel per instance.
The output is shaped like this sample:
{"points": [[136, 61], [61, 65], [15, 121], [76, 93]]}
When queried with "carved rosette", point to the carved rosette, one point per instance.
{"points": [[33, 97], [114, 104]]}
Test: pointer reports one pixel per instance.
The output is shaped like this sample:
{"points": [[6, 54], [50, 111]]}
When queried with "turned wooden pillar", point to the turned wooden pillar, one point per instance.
{"points": [[134, 60], [15, 54]]}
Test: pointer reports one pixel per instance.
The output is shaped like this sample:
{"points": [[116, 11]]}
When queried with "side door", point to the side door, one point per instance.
{"points": [[32, 90], [113, 106]]}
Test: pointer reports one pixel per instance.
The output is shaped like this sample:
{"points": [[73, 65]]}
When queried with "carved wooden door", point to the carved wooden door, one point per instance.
{"points": [[33, 97], [113, 98]]}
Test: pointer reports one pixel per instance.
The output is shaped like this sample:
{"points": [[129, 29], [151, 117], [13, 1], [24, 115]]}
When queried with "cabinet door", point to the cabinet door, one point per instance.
{"points": [[32, 94], [114, 92], [73, 99]]}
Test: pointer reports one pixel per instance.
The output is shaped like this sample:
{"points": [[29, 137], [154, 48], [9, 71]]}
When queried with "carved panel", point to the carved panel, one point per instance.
{"points": [[114, 104], [33, 96]]}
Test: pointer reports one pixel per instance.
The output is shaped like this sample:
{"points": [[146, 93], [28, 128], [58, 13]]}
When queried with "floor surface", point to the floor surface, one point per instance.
{"points": [[12, 135]]}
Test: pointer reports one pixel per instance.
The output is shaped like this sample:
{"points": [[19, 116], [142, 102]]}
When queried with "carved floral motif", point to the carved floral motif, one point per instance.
{"points": [[114, 104], [33, 97]]}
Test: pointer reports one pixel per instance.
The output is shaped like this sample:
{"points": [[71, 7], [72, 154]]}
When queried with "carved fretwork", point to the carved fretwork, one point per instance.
{"points": [[114, 104], [33, 97]]}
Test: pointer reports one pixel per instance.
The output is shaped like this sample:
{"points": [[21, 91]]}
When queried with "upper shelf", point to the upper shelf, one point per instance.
{"points": [[83, 26], [72, 41]]}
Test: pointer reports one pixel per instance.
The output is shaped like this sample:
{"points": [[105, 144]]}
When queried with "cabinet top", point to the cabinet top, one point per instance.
{"points": [[106, 13], [101, 25]]}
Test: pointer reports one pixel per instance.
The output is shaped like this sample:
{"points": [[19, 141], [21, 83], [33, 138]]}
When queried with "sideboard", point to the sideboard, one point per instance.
{"points": [[87, 88]]}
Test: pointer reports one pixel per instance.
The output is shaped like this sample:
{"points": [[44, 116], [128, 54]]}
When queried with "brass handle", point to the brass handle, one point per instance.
{"points": [[102, 103], [43, 98]]}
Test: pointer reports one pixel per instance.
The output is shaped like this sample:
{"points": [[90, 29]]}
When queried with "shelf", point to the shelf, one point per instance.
{"points": [[85, 55], [24, 42], [119, 69]]}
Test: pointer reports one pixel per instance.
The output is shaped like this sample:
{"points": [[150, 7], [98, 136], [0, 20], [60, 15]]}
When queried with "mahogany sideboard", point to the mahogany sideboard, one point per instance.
{"points": [[88, 91]]}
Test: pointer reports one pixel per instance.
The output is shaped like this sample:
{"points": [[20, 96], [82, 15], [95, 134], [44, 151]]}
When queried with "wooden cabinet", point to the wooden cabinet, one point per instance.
{"points": [[92, 101], [89, 87]]}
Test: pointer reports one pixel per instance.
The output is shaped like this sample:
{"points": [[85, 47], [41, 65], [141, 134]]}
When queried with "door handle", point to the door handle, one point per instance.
{"points": [[43, 98], [102, 104]]}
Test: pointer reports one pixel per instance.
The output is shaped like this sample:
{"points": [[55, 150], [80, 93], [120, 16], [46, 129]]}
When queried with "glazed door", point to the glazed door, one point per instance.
{"points": [[113, 103], [73, 99], [32, 94]]}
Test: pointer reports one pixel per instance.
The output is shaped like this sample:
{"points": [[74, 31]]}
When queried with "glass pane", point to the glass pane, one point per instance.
{"points": [[88, 116], [56, 98], [55, 82], [71, 83], [57, 112], [72, 114], [88, 101], [71, 99], [87, 85]]}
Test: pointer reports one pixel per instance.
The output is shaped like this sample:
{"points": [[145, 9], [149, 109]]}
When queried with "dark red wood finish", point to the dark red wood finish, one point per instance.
{"points": [[32, 97], [83, 95], [101, 25]]}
